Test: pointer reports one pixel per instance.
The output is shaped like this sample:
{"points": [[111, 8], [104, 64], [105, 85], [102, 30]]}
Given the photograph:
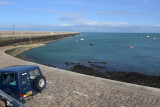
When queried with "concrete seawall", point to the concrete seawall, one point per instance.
{"points": [[69, 89], [32, 37]]}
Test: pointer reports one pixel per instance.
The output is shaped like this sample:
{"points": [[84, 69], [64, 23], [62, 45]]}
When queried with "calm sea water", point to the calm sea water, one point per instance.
{"points": [[143, 56]]}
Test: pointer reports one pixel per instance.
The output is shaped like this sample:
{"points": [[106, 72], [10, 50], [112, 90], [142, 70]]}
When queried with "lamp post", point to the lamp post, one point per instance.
{"points": [[13, 28]]}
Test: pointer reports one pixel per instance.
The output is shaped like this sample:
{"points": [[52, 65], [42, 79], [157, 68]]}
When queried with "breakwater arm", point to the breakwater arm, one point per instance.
{"points": [[32, 37]]}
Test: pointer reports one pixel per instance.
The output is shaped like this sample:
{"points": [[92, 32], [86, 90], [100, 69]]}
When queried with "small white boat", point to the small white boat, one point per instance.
{"points": [[154, 38], [81, 39], [130, 46], [147, 36]]}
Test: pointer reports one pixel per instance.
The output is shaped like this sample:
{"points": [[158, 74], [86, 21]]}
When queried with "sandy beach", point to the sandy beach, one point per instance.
{"points": [[69, 89]]}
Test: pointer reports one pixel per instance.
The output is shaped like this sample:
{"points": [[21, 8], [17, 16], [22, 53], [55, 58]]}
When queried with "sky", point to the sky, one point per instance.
{"points": [[122, 16]]}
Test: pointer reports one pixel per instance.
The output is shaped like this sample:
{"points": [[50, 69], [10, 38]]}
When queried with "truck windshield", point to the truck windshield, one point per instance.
{"points": [[34, 73], [9, 79]]}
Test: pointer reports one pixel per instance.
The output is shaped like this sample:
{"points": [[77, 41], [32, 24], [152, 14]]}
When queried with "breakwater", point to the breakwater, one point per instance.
{"points": [[10, 38]]}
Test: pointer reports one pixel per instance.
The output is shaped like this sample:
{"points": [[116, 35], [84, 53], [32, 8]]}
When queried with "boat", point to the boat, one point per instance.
{"points": [[130, 46], [154, 38], [92, 43], [81, 39], [147, 36]]}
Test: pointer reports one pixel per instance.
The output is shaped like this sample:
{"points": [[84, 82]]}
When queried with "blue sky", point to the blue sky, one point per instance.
{"points": [[81, 15]]}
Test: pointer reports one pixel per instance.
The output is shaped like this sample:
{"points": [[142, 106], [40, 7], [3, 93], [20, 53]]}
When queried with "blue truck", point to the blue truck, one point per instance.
{"points": [[22, 82]]}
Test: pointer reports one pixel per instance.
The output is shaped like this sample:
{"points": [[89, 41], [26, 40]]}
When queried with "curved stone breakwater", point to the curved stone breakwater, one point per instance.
{"points": [[32, 37]]}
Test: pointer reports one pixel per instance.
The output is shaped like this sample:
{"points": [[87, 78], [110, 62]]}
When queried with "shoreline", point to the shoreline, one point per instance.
{"points": [[18, 50], [127, 77]]}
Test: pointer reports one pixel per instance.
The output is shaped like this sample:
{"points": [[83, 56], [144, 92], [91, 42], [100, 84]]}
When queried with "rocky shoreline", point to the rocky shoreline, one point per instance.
{"points": [[129, 77], [17, 51], [97, 69]]}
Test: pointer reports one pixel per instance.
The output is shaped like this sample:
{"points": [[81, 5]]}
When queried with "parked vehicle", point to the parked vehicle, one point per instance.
{"points": [[22, 82]]}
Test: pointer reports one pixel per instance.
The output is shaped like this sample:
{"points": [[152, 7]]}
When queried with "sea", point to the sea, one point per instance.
{"points": [[125, 52]]}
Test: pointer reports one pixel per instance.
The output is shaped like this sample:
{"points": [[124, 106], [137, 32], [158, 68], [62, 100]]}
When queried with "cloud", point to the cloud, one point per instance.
{"points": [[143, 1], [158, 25], [83, 21], [123, 13], [79, 21], [63, 14], [119, 28], [85, 28], [70, 14], [72, 3], [6, 2], [43, 10], [64, 25]]}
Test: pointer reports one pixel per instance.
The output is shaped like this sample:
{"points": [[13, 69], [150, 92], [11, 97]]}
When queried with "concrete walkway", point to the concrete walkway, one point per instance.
{"points": [[69, 89]]}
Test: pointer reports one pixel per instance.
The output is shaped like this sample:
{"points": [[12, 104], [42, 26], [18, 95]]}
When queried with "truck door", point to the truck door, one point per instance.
{"points": [[25, 84]]}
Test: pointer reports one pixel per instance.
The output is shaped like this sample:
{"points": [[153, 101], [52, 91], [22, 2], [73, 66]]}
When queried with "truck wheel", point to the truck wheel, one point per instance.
{"points": [[39, 83]]}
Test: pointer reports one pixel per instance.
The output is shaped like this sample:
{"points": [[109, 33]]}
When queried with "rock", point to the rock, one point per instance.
{"points": [[97, 66], [97, 62], [129, 77], [69, 63]]}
